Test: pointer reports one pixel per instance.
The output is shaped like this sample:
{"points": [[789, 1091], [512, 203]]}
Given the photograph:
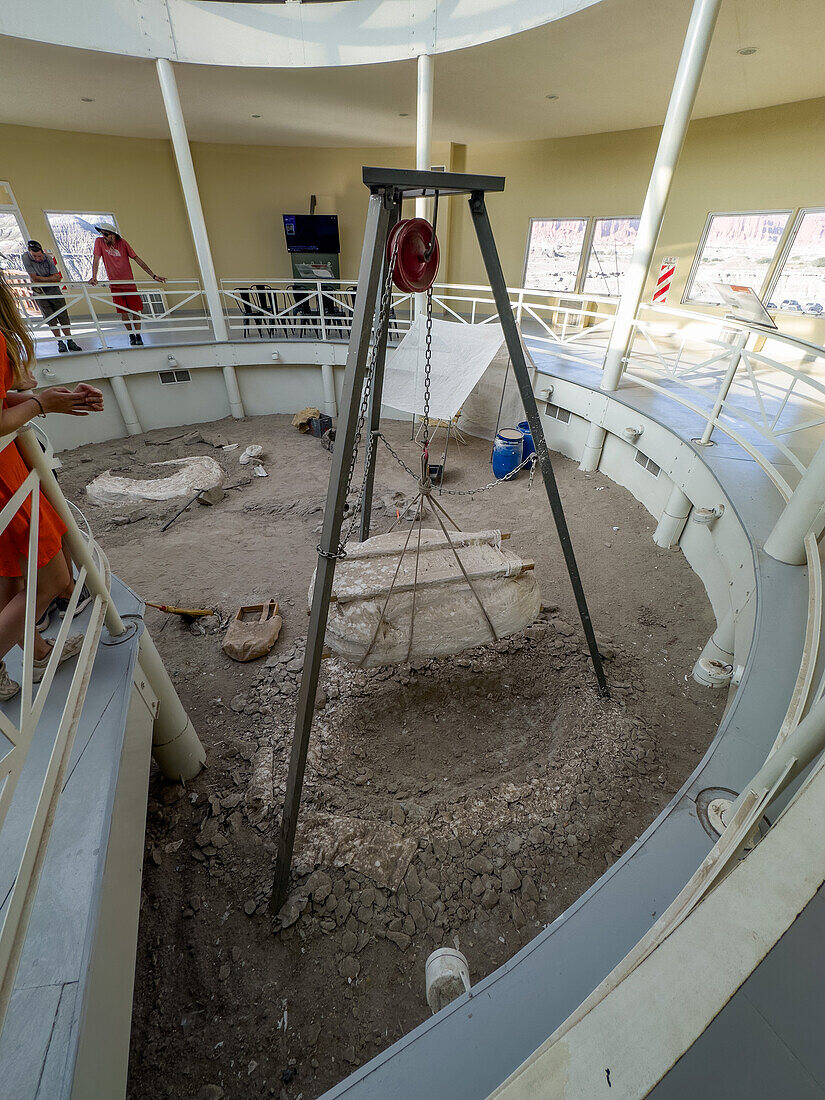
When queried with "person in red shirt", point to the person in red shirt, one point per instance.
{"points": [[117, 255]]}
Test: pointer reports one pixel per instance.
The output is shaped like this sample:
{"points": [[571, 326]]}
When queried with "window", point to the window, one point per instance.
{"points": [[800, 283], [170, 377], [735, 248], [75, 235], [610, 253], [554, 249], [13, 234]]}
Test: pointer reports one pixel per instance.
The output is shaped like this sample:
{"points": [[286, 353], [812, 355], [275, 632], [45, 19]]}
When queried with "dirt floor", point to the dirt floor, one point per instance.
{"points": [[496, 784]]}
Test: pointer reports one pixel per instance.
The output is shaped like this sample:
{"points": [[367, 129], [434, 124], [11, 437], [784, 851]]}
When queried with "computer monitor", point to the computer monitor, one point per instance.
{"points": [[312, 233]]}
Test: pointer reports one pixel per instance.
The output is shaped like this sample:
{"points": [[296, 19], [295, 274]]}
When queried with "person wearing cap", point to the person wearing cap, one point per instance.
{"points": [[117, 254], [42, 269]]}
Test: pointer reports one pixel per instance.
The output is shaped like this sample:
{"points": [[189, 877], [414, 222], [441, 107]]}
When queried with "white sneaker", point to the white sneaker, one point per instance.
{"points": [[8, 687], [71, 649]]}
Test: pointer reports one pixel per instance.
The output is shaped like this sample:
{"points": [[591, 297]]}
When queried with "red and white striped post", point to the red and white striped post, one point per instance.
{"points": [[664, 281]]}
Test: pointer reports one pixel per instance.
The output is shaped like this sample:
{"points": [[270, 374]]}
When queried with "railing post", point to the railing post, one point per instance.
{"points": [[93, 315], [82, 555], [801, 747], [804, 512], [735, 358], [321, 312]]}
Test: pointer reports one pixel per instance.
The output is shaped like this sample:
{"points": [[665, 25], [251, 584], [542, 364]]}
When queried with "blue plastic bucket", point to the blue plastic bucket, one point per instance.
{"points": [[507, 451], [529, 447]]}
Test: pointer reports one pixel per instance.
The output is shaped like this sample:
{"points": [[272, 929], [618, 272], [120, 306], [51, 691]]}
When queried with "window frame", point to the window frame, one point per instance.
{"points": [[590, 238], [787, 243], [686, 299], [13, 208], [58, 253], [584, 249]]}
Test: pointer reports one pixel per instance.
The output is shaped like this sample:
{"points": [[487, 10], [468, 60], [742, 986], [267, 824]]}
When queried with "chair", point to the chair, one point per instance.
{"points": [[265, 301], [283, 321], [335, 316], [244, 298], [308, 319]]}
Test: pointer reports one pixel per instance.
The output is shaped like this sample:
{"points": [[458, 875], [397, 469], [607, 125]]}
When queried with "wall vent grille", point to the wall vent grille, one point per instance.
{"points": [[557, 412], [172, 377], [647, 463]]}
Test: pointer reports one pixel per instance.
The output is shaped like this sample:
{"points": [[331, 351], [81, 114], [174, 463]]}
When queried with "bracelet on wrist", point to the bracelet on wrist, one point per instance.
{"points": [[42, 410]]}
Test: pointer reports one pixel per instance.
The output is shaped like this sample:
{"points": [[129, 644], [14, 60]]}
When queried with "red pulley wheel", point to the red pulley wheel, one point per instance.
{"points": [[414, 272]]}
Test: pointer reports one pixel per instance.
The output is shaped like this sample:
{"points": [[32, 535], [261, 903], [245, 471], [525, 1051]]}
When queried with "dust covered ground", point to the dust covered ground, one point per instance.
{"points": [[496, 784]]}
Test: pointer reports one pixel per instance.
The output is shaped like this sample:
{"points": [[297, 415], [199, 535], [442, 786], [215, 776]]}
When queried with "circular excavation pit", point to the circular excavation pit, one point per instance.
{"points": [[469, 798]]}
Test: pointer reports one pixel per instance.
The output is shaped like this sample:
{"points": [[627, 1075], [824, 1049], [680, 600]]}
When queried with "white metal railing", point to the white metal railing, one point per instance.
{"points": [[773, 405], [173, 310], [21, 720]]}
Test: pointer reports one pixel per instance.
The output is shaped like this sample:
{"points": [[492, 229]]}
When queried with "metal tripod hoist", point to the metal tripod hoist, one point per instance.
{"points": [[404, 252]]}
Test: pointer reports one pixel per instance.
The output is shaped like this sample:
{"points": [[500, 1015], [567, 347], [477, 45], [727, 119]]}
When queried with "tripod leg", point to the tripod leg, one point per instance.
{"points": [[487, 244], [375, 239], [375, 404]]}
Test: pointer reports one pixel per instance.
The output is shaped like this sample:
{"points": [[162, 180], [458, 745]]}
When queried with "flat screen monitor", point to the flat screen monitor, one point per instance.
{"points": [[312, 233]]}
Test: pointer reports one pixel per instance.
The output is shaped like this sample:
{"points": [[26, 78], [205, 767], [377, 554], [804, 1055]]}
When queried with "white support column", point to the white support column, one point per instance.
{"points": [[175, 744], [682, 97], [233, 392], [424, 124], [191, 197], [423, 142], [673, 519], [714, 666], [804, 512], [328, 381], [124, 403]]}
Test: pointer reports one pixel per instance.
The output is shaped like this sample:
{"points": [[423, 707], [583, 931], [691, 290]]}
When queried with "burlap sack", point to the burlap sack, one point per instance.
{"points": [[246, 640], [301, 419]]}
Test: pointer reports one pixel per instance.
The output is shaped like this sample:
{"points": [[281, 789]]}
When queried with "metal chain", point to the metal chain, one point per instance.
{"points": [[529, 461], [397, 456], [386, 301], [428, 365]]}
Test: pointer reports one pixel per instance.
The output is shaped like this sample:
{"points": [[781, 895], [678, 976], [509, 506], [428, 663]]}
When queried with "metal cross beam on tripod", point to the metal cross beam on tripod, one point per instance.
{"points": [[388, 188]]}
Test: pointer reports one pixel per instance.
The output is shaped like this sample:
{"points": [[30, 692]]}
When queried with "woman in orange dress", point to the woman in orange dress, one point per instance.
{"points": [[16, 355]]}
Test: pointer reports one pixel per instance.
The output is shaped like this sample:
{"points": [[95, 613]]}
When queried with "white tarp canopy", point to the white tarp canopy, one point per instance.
{"points": [[460, 355]]}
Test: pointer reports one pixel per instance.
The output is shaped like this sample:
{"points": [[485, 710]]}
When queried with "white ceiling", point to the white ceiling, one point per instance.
{"points": [[611, 65]]}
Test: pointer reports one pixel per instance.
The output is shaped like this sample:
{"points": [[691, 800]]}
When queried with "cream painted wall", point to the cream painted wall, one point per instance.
{"points": [[772, 158], [135, 179], [246, 189]]}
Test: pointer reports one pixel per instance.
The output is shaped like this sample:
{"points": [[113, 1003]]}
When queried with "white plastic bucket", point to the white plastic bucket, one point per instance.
{"points": [[447, 976]]}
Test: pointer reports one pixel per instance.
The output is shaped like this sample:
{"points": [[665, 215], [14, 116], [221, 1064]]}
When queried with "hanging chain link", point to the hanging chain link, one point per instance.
{"points": [[530, 461]]}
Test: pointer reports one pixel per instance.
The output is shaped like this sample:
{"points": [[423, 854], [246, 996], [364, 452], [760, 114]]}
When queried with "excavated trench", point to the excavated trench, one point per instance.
{"points": [[467, 799]]}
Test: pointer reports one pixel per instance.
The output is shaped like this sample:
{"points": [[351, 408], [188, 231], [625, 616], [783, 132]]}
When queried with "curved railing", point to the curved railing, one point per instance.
{"points": [[764, 390], [21, 719]]}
